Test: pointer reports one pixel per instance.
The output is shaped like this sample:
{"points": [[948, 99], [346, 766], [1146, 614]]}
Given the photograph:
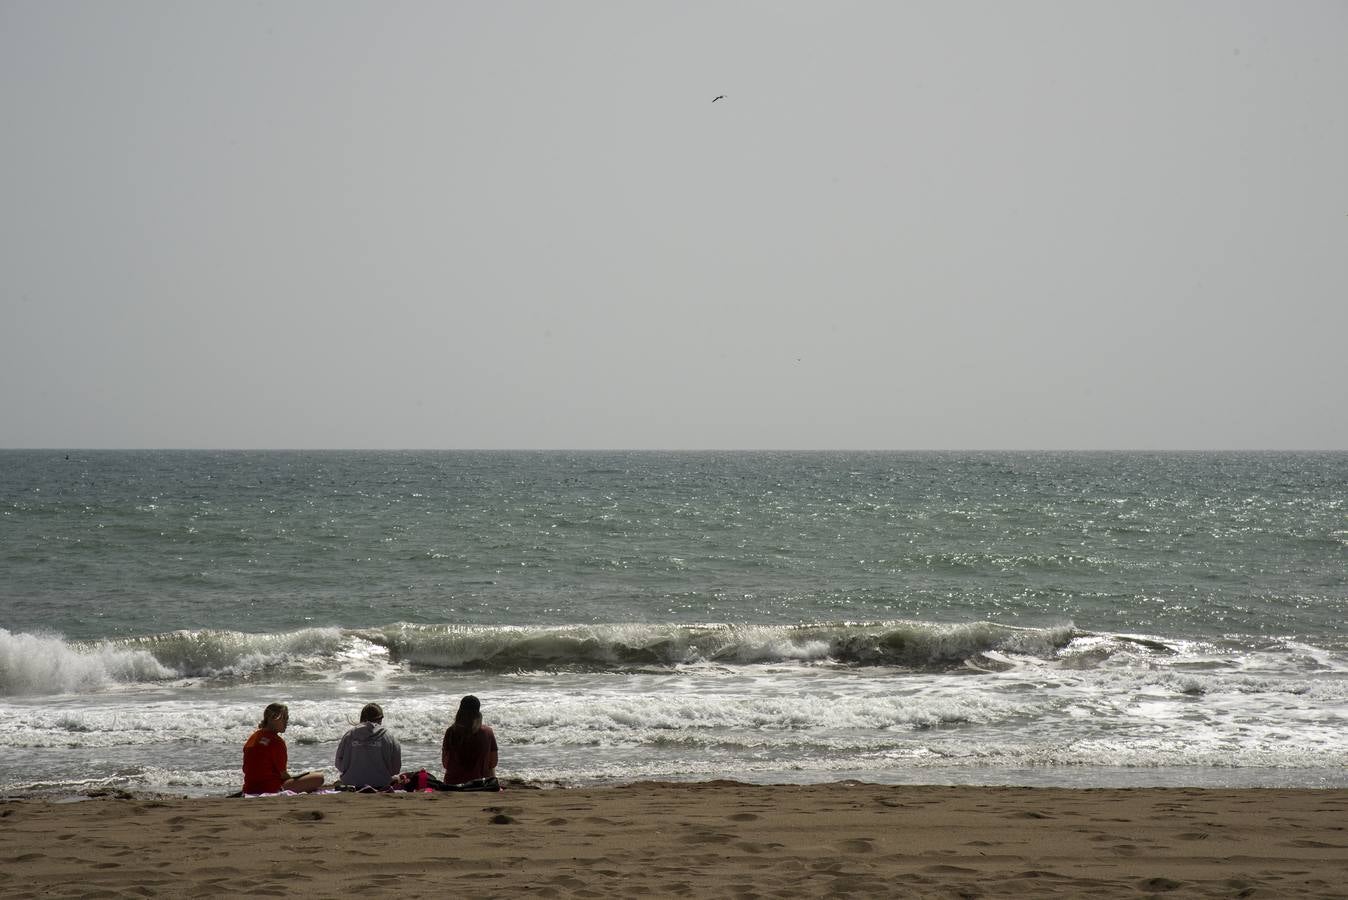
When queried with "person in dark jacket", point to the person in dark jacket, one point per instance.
{"points": [[368, 756]]}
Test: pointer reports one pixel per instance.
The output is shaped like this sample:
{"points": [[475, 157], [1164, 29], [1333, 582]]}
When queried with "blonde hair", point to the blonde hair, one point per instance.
{"points": [[273, 711]]}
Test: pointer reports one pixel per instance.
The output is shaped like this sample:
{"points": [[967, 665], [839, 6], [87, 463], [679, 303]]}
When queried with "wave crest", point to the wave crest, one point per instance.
{"points": [[45, 664], [41, 664], [195, 654], [38, 664], [907, 644]]}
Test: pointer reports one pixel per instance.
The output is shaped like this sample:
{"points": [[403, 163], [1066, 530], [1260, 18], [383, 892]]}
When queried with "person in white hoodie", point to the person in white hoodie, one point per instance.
{"points": [[368, 756]]}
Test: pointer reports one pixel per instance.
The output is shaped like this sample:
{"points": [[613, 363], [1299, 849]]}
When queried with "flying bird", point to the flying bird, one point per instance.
{"points": [[718, 97]]}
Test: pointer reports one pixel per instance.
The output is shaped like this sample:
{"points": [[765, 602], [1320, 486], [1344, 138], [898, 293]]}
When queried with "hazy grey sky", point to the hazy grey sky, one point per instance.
{"points": [[501, 224]]}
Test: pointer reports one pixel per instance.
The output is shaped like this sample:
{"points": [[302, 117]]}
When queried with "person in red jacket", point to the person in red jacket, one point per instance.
{"points": [[469, 748], [264, 758]]}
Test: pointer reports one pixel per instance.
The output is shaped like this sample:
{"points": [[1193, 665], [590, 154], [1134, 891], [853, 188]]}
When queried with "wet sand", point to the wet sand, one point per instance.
{"points": [[718, 839]]}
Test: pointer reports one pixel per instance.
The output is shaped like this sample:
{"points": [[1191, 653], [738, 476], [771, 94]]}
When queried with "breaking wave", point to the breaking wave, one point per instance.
{"points": [[45, 664], [33, 664], [907, 644], [41, 664]]}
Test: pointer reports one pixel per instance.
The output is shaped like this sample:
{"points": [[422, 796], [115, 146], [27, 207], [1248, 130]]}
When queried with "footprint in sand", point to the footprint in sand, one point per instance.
{"points": [[308, 815], [857, 845], [705, 837], [568, 881], [502, 810], [1160, 884]]}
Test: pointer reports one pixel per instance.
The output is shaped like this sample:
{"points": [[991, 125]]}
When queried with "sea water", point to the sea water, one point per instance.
{"points": [[1074, 619]]}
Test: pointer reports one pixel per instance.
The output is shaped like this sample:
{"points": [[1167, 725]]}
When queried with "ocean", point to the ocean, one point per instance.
{"points": [[1066, 619]]}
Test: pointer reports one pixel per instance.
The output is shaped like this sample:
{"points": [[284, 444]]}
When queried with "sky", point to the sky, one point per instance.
{"points": [[1042, 224]]}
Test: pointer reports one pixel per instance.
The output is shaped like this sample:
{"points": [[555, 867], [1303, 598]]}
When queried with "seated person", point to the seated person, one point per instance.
{"points": [[264, 758], [468, 751], [368, 756]]}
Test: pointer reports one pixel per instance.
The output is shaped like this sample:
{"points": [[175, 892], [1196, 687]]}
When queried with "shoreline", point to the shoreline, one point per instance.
{"points": [[711, 838], [516, 783], [1082, 778]]}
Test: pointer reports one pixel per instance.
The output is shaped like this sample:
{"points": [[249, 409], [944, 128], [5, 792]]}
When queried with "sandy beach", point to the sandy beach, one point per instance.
{"points": [[709, 839]]}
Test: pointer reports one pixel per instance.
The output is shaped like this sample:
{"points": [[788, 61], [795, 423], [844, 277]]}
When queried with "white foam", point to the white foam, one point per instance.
{"points": [[1135, 706], [40, 664]]}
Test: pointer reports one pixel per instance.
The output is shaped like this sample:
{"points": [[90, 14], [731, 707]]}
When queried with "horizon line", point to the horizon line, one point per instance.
{"points": [[302, 449]]}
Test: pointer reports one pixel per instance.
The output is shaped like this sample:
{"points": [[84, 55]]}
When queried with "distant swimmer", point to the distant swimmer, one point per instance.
{"points": [[718, 97]]}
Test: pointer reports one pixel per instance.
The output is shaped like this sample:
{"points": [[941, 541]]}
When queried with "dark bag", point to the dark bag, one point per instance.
{"points": [[424, 781], [480, 784]]}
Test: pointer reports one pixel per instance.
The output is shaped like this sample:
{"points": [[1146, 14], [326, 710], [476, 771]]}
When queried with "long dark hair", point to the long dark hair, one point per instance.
{"points": [[470, 710]]}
